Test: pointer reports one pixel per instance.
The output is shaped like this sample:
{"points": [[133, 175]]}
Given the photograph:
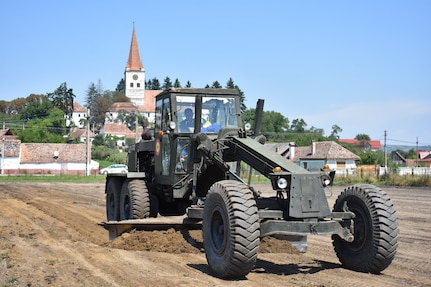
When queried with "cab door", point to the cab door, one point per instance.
{"points": [[164, 153]]}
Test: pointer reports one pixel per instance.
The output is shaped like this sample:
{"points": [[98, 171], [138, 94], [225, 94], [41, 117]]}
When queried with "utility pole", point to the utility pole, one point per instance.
{"points": [[3, 148], [88, 150], [417, 151], [386, 154]]}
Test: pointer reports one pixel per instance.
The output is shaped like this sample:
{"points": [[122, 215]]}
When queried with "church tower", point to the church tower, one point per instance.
{"points": [[134, 75]]}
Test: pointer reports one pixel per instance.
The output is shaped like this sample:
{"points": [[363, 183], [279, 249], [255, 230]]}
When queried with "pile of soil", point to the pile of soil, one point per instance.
{"points": [[172, 241]]}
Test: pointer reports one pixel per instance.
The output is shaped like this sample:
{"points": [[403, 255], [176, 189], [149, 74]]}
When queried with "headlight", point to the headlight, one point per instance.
{"points": [[282, 183]]}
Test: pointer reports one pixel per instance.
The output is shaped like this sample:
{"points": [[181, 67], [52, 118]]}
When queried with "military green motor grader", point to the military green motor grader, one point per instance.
{"points": [[187, 168]]}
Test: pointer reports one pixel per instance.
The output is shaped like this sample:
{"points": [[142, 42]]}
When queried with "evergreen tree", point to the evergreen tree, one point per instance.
{"points": [[231, 85], [121, 87], [149, 85], [63, 98], [188, 85], [92, 95], [155, 84], [167, 84], [177, 83], [216, 85]]}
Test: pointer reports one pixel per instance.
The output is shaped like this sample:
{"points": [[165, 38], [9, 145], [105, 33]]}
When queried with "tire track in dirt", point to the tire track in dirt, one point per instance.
{"points": [[42, 242]]}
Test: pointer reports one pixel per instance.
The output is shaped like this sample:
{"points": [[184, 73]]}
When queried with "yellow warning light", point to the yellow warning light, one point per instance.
{"points": [[326, 166], [277, 169]]}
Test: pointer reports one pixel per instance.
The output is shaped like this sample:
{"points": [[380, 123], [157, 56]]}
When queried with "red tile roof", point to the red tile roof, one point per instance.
{"points": [[81, 133], [44, 153], [78, 108], [374, 144], [118, 130], [324, 150], [150, 100], [11, 147]]}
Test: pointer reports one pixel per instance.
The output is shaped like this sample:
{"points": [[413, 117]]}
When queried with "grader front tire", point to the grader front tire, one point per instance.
{"points": [[231, 229], [375, 229]]}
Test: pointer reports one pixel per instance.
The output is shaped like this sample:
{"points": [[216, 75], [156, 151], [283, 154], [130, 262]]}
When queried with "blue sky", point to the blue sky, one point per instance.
{"points": [[363, 65]]}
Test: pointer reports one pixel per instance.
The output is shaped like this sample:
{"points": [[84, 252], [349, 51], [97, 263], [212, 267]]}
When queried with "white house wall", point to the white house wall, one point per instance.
{"points": [[10, 163]]}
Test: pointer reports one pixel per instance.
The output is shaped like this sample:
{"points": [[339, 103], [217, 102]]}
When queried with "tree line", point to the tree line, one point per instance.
{"points": [[41, 118], [35, 110]]}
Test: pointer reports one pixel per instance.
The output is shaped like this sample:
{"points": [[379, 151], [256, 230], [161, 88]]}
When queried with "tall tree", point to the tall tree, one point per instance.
{"points": [[298, 125], [149, 85], [272, 122], [63, 98], [16, 105], [335, 132], [36, 109], [231, 85], [167, 84], [155, 84], [216, 85], [362, 137], [188, 84], [92, 95], [121, 87], [98, 112], [177, 83], [49, 129]]}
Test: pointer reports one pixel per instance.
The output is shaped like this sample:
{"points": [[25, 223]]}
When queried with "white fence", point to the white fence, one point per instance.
{"points": [[419, 171], [408, 170]]}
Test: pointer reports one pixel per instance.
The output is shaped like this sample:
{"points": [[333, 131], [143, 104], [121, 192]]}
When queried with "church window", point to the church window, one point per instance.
{"points": [[138, 85], [131, 85]]}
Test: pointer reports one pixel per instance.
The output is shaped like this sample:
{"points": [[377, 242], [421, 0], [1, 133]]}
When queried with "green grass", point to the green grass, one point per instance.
{"points": [[389, 180]]}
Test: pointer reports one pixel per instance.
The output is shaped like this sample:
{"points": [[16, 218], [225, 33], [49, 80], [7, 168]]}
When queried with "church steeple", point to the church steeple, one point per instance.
{"points": [[134, 62], [134, 75]]}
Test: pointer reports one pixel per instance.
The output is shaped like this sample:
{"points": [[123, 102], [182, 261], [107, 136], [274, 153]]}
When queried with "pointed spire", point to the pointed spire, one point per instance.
{"points": [[134, 62]]}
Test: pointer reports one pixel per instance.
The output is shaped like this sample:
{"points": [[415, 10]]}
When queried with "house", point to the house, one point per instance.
{"points": [[371, 145], [118, 130], [314, 157], [10, 158], [43, 158], [49, 158], [79, 116], [398, 159], [80, 135]]}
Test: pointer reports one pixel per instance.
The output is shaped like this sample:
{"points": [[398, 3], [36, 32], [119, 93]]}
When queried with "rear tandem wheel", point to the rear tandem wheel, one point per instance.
{"points": [[113, 188], [134, 200]]}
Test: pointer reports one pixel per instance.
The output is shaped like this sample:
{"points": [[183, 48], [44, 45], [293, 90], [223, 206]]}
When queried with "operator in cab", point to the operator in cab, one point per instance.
{"points": [[188, 124]]}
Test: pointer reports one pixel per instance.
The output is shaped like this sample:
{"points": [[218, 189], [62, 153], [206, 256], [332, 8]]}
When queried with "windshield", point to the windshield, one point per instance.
{"points": [[216, 113]]}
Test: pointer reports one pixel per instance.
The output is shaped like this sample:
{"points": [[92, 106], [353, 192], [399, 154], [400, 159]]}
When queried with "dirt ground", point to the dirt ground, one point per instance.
{"points": [[49, 236]]}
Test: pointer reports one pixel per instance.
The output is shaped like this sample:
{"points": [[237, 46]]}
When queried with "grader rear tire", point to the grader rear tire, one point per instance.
{"points": [[134, 200], [375, 229], [113, 189], [231, 230]]}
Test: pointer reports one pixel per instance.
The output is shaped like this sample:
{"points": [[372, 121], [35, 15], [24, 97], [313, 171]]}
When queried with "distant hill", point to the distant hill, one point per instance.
{"points": [[391, 148]]}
